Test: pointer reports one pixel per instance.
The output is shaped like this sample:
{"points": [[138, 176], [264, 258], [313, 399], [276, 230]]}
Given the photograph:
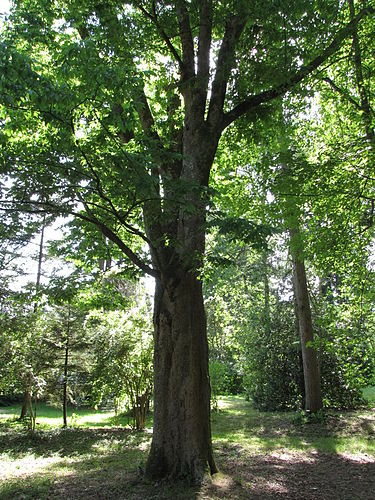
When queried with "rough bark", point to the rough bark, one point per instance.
{"points": [[181, 443], [311, 372]]}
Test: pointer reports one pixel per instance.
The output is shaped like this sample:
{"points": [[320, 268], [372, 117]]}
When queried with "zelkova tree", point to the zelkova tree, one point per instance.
{"points": [[112, 112]]}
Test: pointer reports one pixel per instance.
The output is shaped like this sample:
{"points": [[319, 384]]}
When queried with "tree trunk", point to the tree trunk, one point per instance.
{"points": [[66, 365], [33, 413], [311, 372], [266, 282], [40, 262], [26, 402], [27, 393], [65, 385], [300, 375], [181, 445]]}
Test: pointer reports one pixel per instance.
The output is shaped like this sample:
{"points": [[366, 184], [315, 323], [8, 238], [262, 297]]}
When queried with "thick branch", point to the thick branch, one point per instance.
{"points": [[253, 101], [365, 105], [46, 207], [225, 61], [144, 114], [118, 241], [204, 45], [188, 70], [204, 42]]}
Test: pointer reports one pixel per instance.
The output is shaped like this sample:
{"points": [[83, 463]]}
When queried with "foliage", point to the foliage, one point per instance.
{"points": [[224, 379], [61, 326], [24, 354], [122, 364]]}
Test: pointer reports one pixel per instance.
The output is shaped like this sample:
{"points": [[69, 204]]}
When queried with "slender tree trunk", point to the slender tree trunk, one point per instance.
{"points": [[66, 365], [267, 312], [32, 427], [40, 262], [26, 402], [181, 443], [65, 384], [27, 395], [33, 413], [116, 402], [313, 393], [300, 377]]}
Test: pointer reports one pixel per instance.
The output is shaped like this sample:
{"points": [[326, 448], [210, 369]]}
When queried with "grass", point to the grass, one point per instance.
{"points": [[50, 417], [346, 432], [256, 453]]}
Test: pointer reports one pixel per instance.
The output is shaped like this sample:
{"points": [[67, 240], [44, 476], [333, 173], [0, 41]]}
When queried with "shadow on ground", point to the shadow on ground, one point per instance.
{"points": [[292, 476], [260, 456], [289, 476]]}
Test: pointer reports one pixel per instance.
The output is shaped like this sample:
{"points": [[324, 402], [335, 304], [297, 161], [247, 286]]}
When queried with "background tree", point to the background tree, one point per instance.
{"points": [[122, 361]]}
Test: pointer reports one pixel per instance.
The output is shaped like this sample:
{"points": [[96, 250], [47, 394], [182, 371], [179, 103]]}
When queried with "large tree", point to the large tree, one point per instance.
{"points": [[94, 126]]}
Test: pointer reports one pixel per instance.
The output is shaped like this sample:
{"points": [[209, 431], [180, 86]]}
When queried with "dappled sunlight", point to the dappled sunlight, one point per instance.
{"points": [[236, 404], [222, 483], [237, 422], [289, 472], [259, 455], [25, 466], [358, 457], [96, 459], [51, 417], [97, 419], [286, 456]]}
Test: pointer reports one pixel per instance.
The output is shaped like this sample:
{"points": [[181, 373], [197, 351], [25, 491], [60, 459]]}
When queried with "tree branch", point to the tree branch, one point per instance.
{"points": [[342, 92], [154, 18], [188, 63], [233, 30], [48, 207], [204, 41], [363, 94], [118, 241], [253, 101]]}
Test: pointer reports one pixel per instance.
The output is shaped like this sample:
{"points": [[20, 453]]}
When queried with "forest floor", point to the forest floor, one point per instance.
{"points": [[260, 456]]}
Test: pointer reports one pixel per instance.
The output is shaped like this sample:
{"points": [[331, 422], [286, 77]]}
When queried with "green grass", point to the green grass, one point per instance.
{"points": [[96, 459], [238, 422], [50, 417]]}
